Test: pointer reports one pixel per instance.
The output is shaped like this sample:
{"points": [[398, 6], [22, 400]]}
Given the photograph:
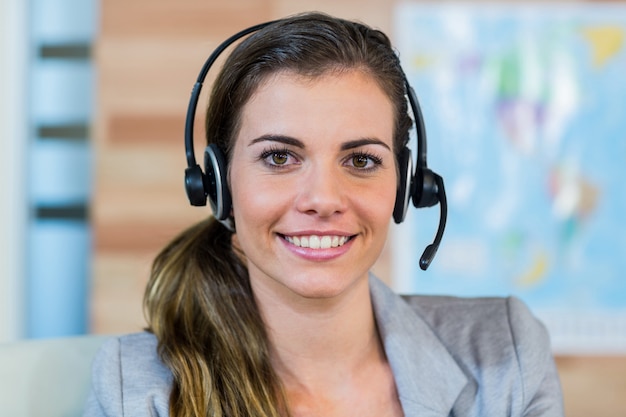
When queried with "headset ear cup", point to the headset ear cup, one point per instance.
{"points": [[194, 185], [216, 182], [425, 192], [405, 178]]}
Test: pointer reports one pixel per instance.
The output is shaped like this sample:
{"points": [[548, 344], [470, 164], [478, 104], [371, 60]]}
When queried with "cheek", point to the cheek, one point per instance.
{"points": [[376, 203], [385, 206], [257, 201]]}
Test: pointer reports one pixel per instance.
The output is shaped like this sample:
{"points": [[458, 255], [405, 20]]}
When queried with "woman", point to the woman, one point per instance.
{"points": [[279, 316]]}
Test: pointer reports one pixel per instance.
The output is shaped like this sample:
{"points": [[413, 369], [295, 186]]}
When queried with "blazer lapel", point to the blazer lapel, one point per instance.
{"points": [[427, 377]]}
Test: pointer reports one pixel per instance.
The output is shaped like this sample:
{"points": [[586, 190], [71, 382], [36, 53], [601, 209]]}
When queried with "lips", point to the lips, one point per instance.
{"points": [[317, 241]]}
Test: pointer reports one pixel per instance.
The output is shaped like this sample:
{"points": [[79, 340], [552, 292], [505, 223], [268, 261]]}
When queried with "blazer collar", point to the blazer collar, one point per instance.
{"points": [[427, 377]]}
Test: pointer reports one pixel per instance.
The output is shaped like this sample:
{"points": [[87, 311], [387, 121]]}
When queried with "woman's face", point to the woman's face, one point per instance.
{"points": [[313, 181]]}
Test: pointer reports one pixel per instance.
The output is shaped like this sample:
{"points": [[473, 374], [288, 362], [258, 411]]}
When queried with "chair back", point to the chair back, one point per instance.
{"points": [[46, 377]]}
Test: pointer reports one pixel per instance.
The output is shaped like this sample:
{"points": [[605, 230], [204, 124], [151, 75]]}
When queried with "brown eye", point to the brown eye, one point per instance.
{"points": [[363, 162], [360, 161], [279, 158]]}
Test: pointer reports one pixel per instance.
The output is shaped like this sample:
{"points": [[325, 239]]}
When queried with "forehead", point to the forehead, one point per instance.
{"points": [[348, 101], [357, 76]]}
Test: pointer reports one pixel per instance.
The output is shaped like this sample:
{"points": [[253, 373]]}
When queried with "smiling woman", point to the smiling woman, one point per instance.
{"points": [[268, 307], [327, 173]]}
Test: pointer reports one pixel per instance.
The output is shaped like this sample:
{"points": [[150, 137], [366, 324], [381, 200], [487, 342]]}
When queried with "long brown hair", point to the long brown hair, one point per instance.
{"points": [[198, 301]]}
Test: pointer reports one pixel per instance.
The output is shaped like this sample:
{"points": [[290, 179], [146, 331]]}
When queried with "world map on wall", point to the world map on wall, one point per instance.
{"points": [[525, 109]]}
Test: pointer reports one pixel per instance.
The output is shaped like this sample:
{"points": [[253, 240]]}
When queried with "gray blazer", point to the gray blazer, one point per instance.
{"points": [[485, 357]]}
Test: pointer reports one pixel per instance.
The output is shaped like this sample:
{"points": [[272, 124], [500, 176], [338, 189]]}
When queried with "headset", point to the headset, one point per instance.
{"points": [[423, 187]]}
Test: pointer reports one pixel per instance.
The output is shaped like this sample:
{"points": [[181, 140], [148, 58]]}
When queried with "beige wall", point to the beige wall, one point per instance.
{"points": [[148, 56]]}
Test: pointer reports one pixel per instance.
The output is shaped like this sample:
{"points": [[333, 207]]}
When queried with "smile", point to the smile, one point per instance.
{"points": [[317, 242]]}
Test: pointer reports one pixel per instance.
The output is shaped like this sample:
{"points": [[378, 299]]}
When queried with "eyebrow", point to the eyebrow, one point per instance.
{"points": [[362, 142], [288, 140]]}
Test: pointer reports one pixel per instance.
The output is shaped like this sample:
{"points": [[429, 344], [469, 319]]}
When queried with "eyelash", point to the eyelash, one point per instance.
{"points": [[268, 153], [374, 159]]}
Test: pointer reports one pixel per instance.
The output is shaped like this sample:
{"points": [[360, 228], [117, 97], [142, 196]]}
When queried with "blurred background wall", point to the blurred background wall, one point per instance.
{"points": [[13, 65], [48, 103], [94, 96]]}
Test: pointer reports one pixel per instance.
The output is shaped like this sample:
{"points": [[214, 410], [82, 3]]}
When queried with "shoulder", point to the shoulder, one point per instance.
{"points": [[500, 345], [484, 329], [129, 378], [133, 349], [130, 353], [457, 318]]}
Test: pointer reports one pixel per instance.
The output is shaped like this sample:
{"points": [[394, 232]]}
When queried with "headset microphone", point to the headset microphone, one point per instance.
{"points": [[423, 187], [426, 187], [431, 250]]}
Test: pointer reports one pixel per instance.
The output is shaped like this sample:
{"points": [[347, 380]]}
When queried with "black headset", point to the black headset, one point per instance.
{"points": [[423, 187]]}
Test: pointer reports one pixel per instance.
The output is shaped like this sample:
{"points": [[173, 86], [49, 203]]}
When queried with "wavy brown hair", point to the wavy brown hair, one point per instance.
{"points": [[198, 301]]}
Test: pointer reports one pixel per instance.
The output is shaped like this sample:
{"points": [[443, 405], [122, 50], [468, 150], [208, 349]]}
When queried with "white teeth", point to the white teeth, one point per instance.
{"points": [[314, 242], [317, 242]]}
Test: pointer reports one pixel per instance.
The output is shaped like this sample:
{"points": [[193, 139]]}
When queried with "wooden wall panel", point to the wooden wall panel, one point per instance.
{"points": [[148, 56], [118, 286], [187, 18], [375, 13], [593, 386]]}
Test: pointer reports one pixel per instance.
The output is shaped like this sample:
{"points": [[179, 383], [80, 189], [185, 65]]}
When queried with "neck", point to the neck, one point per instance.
{"points": [[314, 341]]}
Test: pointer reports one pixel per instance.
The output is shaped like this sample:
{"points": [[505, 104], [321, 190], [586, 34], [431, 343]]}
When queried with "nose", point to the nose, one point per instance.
{"points": [[321, 193]]}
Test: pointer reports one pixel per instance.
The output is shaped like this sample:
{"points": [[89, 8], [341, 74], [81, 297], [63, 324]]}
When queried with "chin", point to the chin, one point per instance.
{"points": [[328, 287]]}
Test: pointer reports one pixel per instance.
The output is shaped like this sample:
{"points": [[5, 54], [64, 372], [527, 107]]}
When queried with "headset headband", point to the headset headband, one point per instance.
{"points": [[424, 187]]}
